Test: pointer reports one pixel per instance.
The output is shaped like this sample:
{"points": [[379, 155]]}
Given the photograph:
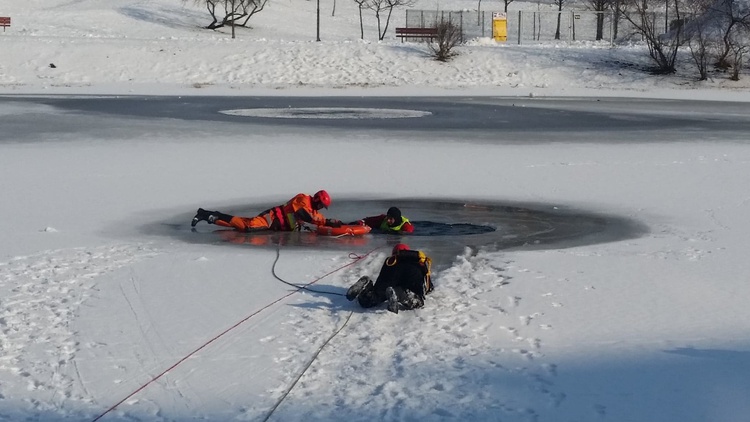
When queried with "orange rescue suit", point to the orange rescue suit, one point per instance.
{"points": [[286, 217]]}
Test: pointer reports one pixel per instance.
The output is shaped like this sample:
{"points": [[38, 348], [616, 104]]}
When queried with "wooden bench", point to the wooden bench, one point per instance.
{"points": [[4, 22], [421, 33]]}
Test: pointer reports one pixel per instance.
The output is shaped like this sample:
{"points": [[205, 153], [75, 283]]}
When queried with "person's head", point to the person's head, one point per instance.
{"points": [[321, 199], [393, 216], [400, 247]]}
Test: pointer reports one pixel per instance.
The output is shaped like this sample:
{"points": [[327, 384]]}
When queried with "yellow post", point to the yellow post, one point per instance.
{"points": [[499, 26]]}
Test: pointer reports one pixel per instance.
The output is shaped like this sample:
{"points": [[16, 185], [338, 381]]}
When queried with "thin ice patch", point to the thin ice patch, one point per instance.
{"points": [[326, 113]]}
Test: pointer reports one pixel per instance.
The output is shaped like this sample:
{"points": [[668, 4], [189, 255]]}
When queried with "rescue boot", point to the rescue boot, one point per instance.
{"points": [[412, 301], [357, 288], [210, 217], [390, 292], [201, 215]]}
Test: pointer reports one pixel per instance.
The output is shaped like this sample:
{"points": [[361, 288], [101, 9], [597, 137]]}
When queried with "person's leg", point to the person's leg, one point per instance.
{"points": [[361, 285], [210, 217], [370, 298], [411, 300], [402, 299], [395, 296], [243, 224], [200, 215], [225, 220]]}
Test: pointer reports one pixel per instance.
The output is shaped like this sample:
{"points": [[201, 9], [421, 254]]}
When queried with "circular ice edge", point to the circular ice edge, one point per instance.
{"points": [[327, 113]]}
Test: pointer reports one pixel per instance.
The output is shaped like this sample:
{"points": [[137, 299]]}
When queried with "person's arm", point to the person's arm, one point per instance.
{"points": [[373, 221], [313, 217], [332, 222], [407, 228], [304, 212]]}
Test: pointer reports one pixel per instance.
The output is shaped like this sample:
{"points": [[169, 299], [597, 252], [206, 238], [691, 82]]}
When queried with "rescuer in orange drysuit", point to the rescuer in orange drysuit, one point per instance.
{"points": [[302, 208]]}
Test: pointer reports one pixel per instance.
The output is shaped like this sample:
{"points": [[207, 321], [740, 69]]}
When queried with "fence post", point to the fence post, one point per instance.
{"points": [[519, 27], [461, 22], [573, 25]]}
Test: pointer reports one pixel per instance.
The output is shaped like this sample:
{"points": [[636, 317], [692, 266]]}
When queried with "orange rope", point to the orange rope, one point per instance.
{"points": [[356, 258]]}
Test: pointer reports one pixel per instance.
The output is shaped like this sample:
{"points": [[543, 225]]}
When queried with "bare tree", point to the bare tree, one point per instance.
{"points": [[720, 30], [662, 48], [231, 12], [559, 4], [600, 6], [448, 36], [702, 32], [248, 8], [699, 41], [361, 4], [381, 7], [505, 4], [736, 27], [738, 59]]}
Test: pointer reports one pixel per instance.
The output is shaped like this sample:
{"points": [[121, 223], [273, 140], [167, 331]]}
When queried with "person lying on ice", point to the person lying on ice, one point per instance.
{"points": [[390, 222], [302, 208], [403, 281]]}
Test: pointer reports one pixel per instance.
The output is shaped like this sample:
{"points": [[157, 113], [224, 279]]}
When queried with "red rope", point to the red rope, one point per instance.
{"points": [[356, 258]]}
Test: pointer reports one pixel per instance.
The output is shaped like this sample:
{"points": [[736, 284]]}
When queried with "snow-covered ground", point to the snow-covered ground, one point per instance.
{"points": [[150, 47], [93, 311]]}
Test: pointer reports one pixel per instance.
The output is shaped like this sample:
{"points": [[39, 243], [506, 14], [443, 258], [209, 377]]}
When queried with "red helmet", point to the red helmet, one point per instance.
{"points": [[321, 199], [400, 247]]}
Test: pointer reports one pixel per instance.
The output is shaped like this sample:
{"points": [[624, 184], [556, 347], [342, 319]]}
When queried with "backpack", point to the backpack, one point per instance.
{"points": [[424, 262]]}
